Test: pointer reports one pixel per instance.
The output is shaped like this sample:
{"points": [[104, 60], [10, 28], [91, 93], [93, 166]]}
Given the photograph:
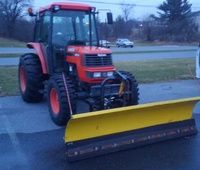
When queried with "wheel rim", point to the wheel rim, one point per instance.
{"points": [[22, 79], [54, 101]]}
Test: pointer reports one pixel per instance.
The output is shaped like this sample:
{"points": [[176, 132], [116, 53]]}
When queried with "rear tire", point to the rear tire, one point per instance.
{"points": [[30, 78], [134, 98], [57, 100]]}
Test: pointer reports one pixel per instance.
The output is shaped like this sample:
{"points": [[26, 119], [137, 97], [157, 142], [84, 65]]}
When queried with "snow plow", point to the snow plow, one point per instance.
{"points": [[98, 133]]}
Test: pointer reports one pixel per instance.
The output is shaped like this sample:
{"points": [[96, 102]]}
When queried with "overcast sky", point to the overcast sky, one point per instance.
{"points": [[142, 7]]}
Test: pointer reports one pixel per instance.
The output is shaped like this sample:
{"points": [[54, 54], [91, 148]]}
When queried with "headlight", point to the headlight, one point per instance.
{"points": [[97, 75], [109, 74]]}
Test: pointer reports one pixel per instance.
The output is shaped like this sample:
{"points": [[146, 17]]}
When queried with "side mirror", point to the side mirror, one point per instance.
{"points": [[109, 18]]}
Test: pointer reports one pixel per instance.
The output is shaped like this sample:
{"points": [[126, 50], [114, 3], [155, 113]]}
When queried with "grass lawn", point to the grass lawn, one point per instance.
{"points": [[8, 81], [10, 55], [160, 70], [11, 43], [144, 72]]}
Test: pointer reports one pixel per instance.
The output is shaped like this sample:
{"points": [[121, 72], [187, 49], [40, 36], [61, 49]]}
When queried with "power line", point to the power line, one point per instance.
{"points": [[112, 3], [98, 2]]}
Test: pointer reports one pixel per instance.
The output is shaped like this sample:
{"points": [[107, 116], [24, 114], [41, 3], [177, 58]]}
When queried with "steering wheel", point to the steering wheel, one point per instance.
{"points": [[62, 38]]}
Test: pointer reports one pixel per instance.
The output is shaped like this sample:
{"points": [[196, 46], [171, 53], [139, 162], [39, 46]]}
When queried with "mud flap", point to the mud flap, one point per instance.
{"points": [[97, 133]]}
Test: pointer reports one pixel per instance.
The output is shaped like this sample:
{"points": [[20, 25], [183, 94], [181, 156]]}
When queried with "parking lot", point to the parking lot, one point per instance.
{"points": [[30, 140]]}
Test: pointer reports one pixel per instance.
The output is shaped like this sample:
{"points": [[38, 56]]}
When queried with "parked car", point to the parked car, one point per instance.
{"points": [[104, 43], [124, 42]]}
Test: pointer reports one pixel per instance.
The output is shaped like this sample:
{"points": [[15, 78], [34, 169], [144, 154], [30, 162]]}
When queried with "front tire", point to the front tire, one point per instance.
{"points": [[134, 97], [58, 103], [30, 78]]}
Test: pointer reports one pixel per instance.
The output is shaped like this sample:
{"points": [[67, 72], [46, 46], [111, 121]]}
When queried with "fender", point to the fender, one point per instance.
{"points": [[41, 53]]}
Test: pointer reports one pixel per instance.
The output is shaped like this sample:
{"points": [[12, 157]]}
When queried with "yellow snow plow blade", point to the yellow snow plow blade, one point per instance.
{"points": [[101, 132]]}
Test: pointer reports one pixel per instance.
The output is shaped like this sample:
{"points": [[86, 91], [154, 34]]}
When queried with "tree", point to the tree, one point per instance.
{"points": [[174, 15], [104, 30], [123, 25], [126, 10], [11, 11], [119, 27], [148, 26]]}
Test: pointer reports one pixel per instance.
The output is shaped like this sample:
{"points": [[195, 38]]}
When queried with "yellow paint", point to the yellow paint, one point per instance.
{"points": [[121, 88], [100, 123]]}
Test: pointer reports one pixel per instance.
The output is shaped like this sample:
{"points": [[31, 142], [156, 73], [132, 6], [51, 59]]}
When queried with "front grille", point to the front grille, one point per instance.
{"points": [[111, 89], [93, 60]]}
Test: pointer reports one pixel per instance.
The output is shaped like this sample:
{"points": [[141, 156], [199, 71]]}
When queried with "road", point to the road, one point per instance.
{"points": [[14, 50], [30, 140], [154, 48], [154, 56], [170, 52]]}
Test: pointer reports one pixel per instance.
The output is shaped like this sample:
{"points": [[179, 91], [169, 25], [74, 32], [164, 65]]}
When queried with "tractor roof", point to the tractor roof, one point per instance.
{"points": [[68, 5]]}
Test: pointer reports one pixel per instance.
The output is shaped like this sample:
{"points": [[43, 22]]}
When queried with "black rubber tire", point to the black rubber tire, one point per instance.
{"points": [[60, 110], [134, 98], [30, 78]]}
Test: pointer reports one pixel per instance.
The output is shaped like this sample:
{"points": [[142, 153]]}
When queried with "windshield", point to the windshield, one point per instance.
{"points": [[73, 26], [126, 40]]}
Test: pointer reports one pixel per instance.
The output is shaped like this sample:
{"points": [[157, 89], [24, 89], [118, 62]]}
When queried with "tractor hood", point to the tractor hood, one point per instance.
{"points": [[87, 50]]}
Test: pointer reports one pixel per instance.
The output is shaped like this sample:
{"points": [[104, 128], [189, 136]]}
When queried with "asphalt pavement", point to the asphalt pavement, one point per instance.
{"points": [[30, 140]]}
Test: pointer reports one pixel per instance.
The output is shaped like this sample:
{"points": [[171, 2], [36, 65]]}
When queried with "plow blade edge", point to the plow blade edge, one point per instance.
{"points": [[97, 133]]}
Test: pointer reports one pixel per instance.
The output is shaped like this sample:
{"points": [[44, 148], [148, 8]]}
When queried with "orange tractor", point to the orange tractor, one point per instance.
{"points": [[69, 64]]}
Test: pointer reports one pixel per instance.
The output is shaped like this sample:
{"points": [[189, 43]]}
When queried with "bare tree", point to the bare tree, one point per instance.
{"points": [[104, 30], [12, 11], [119, 27], [126, 10], [148, 26]]}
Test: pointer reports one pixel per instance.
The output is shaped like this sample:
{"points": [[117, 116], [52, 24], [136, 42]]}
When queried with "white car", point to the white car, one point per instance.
{"points": [[124, 42], [104, 43]]}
